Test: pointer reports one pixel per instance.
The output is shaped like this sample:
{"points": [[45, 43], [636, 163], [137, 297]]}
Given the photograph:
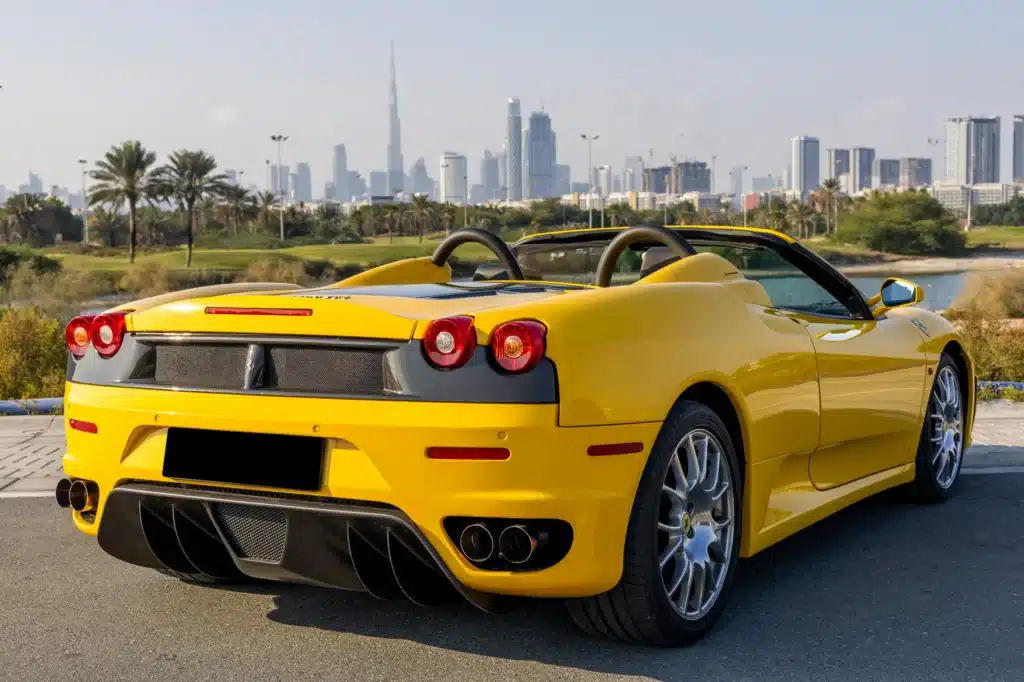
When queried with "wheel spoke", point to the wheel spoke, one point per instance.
{"points": [[673, 548], [692, 465], [700, 580], [678, 528], [680, 475], [677, 494]]}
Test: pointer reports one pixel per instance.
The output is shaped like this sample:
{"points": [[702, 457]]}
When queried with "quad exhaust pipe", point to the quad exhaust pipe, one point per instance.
{"points": [[516, 544], [477, 543], [82, 496]]}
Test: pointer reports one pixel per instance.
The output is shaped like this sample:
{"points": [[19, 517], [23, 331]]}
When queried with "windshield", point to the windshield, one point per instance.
{"points": [[787, 286]]}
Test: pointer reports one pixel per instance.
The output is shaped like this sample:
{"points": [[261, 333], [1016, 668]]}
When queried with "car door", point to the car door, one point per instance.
{"points": [[872, 374]]}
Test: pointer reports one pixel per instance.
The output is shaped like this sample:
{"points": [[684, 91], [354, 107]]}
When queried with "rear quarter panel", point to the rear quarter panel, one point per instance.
{"points": [[626, 354]]}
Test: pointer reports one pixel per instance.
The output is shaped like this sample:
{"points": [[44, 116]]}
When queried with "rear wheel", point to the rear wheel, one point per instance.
{"points": [[682, 542], [940, 449]]}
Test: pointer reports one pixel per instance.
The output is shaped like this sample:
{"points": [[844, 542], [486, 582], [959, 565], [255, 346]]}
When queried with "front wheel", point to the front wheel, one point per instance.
{"points": [[940, 449], [682, 542]]}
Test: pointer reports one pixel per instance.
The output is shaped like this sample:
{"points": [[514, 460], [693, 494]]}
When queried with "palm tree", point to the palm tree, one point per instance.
{"points": [[124, 177], [800, 216], [190, 177], [829, 195], [265, 203], [239, 203], [422, 215]]}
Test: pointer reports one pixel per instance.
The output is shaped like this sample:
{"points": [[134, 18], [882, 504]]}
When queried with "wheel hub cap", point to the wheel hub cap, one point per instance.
{"points": [[945, 418], [695, 524]]}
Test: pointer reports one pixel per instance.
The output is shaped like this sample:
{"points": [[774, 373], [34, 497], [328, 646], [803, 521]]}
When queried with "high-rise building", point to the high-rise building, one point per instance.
{"points": [[633, 174], [279, 181], [503, 174], [563, 179], [339, 165], [885, 173], [603, 180], [303, 183], [693, 176], [972, 150], [736, 186], [395, 166], [231, 175], [356, 183], [420, 179], [837, 162], [513, 151], [540, 157], [805, 164], [915, 172], [379, 185], [490, 181], [454, 179], [1018, 148], [862, 160], [764, 184]]}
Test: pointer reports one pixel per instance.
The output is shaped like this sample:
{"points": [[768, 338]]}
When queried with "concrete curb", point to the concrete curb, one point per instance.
{"points": [[20, 408]]}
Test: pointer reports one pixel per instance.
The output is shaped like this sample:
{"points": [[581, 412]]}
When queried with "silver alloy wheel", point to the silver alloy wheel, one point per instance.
{"points": [[695, 524], [946, 425]]}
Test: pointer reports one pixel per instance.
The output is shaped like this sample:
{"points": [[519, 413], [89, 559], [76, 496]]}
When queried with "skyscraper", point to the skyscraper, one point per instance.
{"points": [[885, 173], [489, 180], [837, 162], [805, 164], [303, 183], [279, 176], [453, 178], [862, 160], [633, 174], [540, 157], [514, 151], [395, 166], [342, 192], [972, 150], [1018, 148]]}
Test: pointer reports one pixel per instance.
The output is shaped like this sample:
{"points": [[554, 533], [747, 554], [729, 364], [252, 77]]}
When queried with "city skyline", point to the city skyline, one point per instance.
{"points": [[252, 70]]}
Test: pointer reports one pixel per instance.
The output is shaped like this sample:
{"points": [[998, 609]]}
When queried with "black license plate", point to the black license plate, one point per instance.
{"points": [[258, 459]]}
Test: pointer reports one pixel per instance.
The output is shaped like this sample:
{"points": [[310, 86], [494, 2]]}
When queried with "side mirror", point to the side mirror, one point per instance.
{"points": [[896, 293]]}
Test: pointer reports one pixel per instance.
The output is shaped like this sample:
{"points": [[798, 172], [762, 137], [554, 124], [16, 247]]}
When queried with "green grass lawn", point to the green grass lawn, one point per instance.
{"points": [[1004, 236]]}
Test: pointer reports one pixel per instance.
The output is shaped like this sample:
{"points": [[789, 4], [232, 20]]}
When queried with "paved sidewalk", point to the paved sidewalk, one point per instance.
{"points": [[31, 448]]}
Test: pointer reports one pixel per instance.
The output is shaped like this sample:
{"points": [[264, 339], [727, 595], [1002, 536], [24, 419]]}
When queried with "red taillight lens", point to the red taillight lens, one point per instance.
{"points": [[78, 333], [449, 343], [107, 333], [518, 346]]}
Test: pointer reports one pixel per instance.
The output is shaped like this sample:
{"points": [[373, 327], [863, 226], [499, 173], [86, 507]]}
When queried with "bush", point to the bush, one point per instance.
{"points": [[995, 344], [287, 270], [56, 293], [12, 259], [995, 296], [912, 223], [33, 354], [147, 280]]}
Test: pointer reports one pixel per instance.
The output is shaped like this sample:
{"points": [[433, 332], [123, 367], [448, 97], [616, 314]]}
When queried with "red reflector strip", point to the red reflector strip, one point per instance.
{"points": [[87, 427], [478, 454], [286, 312], [615, 449]]}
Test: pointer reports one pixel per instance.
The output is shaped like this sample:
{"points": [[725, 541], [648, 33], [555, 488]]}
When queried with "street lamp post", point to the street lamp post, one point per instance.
{"points": [[589, 139], [280, 186], [85, 206]]}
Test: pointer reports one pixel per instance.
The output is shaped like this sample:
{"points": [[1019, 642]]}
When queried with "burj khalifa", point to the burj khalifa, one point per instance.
{"points": [[394, 165]]}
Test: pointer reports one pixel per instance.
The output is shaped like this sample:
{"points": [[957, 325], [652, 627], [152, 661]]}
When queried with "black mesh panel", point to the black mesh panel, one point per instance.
{"points": [[201, 366], [325, 370], [255, 532]]}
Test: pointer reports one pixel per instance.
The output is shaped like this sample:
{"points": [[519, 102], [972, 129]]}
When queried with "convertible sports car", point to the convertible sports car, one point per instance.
{"points": [[607, 416]]}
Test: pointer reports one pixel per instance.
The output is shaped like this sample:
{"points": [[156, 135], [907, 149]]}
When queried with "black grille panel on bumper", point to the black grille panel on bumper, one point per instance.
{"points": [[255, 532], [200, 366], [325, 370], [203, 533]]}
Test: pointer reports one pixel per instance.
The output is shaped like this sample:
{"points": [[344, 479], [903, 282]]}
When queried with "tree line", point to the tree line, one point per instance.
{"points": [[133, 200]]}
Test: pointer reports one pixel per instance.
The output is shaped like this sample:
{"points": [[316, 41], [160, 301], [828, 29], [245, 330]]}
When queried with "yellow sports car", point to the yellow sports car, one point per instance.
{"points": [[607, 416]]}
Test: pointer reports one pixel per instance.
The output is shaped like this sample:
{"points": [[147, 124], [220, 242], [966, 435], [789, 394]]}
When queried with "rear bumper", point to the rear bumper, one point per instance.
{"points": [[379, 488]]}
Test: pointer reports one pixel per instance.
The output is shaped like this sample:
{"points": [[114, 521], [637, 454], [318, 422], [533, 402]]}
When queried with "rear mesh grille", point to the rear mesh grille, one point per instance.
{"points": [[325, 370], [255, 532], [287, 368], [201, 366]]}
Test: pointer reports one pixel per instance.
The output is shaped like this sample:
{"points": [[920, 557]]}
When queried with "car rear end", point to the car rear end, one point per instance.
{"points": [[403, 447]]}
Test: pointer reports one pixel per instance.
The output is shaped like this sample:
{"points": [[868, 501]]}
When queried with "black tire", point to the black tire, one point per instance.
{"points": [[638, 609], [926, 486]]}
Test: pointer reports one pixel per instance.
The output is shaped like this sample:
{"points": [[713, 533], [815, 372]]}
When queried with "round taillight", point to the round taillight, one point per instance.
{"points": [[518, 346], [77, 334], [107, 333], [449, 343]]}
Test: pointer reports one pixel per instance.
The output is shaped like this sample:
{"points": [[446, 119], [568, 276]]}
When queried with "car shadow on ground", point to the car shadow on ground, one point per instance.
{"points": [[855, 589]]}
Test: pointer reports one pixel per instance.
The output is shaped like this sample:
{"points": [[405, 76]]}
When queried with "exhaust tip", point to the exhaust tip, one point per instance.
{"points": [[83, 496], [63, 493], [516, 544], [476, 543]]}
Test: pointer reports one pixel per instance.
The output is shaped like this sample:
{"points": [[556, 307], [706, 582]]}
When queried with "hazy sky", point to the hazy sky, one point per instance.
{"points": [[736, 78]]}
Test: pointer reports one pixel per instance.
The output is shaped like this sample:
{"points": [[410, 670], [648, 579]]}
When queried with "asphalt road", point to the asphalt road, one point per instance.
{"points": [[883, 591]]}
